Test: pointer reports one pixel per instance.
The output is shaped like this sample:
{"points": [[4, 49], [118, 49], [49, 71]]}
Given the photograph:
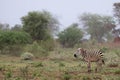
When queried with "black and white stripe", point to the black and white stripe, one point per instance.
{"points": [[91, 56]]}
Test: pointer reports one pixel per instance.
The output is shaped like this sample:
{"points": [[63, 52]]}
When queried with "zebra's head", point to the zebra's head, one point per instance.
{"points": [[79, 51]]}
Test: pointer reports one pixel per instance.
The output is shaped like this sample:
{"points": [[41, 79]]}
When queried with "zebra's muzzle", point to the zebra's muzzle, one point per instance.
{"points": [[75, 55]]}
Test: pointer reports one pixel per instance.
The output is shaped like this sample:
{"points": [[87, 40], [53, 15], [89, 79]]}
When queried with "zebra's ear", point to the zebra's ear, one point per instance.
{"points": [[82, 50]]}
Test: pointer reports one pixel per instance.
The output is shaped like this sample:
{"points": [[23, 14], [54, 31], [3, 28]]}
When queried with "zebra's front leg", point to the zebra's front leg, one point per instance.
{"points": [[89, 66], [99, 66]]}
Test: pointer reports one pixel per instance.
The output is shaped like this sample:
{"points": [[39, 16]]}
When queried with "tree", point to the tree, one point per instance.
{"points": [[40, 25], [116, 32], [17, 27], [99, 27], [4, 26], [70, 36], [117, 11]]}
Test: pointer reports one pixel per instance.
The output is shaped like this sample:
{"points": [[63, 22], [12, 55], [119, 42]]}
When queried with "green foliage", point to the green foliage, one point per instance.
{"points": [[61, 64], [86, 78], [113, 65], [39, 64], [24, 72], [99, 27], [104, 49], [17, 27], [39, 25], [36, 49], [12, 42], [66, 76], [52, 67], [48, 44], [117, 72], [70, 36], [117, 53], [14, 37], [27, 56], [8, 74]]}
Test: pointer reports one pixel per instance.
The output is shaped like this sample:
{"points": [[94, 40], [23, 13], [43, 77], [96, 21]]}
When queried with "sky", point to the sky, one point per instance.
{"points": [[66, 11]]}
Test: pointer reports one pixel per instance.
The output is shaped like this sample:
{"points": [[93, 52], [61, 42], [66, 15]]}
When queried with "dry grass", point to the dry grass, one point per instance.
{"points": [[59, 65]]}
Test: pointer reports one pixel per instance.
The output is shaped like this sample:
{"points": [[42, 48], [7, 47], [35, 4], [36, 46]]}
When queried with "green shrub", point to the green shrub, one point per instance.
{"points": [[113, 65], [24, 72], [104, 49], [70, 36], [27, 56], [36, 49], [12, 42], [14, 50], [66, 76], [14, 37], [61, 64], [117, 72], [40, 64], [117, 53], [85, 78], [48, 44], [8, 74]]}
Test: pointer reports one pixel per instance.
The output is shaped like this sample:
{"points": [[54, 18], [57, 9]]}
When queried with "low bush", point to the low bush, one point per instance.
{"points": [[85, 78], [27, 56], [113, 65], [12, 42], [61, 64], [66, 76], [36, 49], [48, 44], [39, 64], [117, 72]]}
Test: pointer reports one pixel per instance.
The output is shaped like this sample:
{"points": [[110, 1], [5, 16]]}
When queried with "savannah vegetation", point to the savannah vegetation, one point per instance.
{"points": [[38, 50]]}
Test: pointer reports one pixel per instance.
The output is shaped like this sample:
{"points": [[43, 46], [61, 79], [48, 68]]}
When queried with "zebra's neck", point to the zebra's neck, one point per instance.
{"points": [[83, 53]]}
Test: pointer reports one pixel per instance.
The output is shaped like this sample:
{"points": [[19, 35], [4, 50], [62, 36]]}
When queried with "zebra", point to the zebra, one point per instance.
{"points": [[91, 56]]}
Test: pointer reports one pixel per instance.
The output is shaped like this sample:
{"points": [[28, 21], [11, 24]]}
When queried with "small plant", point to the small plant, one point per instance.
{"points": [[24, 72], [35, 75], [17, 78], [117, 53], [8, 74], [86, 78], [37, 49], [104, 49], [97, 78], [40, 64], [66, 76], [117, 72], [27, 56], [79, 65], [61, 64], [113, 65], [2, 68]]}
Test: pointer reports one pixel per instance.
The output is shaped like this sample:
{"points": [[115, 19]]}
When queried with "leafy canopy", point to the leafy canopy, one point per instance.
{"points": [[70, 36], [117, 11], [40, 25], [99, 27]]}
